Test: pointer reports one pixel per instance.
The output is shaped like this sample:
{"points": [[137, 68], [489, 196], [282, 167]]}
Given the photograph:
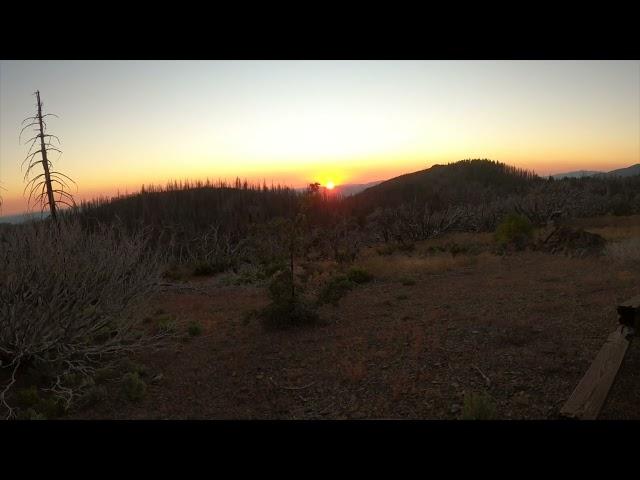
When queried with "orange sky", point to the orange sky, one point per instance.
{"points": [[126, 123]]}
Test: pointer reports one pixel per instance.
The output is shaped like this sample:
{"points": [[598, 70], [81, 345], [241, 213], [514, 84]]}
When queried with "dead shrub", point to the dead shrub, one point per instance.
{"points": [[71, 302]]}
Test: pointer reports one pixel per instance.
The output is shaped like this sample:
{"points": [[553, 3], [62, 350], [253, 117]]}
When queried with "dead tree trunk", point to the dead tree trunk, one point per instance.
{"points": [[44, 187], [45, 162]]}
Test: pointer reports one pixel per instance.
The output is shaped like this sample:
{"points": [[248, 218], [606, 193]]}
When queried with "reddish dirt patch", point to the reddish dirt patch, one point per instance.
{"points": [[530, 323]]}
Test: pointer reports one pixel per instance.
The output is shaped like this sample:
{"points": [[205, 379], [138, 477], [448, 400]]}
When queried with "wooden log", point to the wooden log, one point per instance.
{"points": [[589, 396]]}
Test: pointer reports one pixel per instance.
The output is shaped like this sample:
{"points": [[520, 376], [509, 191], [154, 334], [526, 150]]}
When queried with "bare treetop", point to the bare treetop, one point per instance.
{"points": [[44, 187]]}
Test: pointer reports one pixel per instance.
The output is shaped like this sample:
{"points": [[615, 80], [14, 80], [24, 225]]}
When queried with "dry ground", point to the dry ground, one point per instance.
{"points": [[429, 329]]}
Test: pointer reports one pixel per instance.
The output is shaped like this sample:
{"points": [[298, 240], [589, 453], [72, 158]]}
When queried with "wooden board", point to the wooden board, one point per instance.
{"points": [[589, 396], [632, 303]]}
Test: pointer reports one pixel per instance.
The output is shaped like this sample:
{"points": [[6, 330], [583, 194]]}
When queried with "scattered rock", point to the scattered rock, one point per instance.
{"points": [[455, 408]]}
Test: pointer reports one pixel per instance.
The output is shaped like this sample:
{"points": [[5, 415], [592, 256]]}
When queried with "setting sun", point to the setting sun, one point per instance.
{"points": [[330, 185]]}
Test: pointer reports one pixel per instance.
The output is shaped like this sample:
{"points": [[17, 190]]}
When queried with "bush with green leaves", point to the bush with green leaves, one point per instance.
{"points": [[288, 307], [71, 302], [194, 329], [335, 289], [358, 275], [515, 230]]}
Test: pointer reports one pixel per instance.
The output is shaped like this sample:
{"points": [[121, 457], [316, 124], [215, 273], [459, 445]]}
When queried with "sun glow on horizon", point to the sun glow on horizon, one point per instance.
{"points": [[124, 124]]}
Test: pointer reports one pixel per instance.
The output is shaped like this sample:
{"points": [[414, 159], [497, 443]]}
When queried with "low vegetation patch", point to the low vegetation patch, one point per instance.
{"points": [[335, 289], [514, 231], [133, 387], [194, 329], [71, 302], [288, 307], [358, 275], [478, 406]]}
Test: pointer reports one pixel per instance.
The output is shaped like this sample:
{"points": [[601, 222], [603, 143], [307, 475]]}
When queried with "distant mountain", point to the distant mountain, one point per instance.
{"points": [[576, 174], [620, 172], [23, 217], [466, 181], [353, 188], [625, 172]]}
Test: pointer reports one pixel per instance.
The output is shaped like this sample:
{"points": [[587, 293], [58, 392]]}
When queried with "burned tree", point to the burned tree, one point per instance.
{"points": [[44, 187]]}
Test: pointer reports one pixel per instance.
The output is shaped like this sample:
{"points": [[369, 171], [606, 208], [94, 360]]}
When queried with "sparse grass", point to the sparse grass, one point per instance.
{"points": [[478, 406], [194, 329], [166, 323], [133, 387], [335, 289], [27, 397], [403, 267], [35, 407], [93, 396], [387, 249], [358, 275]]}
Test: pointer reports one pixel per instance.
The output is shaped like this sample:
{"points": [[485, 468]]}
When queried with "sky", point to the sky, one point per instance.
{"points": [[123, 124]]}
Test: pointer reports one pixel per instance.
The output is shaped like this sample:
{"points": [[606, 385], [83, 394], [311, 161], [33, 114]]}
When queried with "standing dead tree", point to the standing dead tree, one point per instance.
{"points": [[44, 187]]}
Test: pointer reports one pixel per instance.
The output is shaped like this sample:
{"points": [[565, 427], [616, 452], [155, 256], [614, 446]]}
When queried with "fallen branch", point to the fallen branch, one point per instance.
{"points": [[291, 388], [486, 379]]}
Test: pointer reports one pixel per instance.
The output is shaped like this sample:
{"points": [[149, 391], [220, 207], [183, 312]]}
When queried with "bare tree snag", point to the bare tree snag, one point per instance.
{"points": [[44, 187]]}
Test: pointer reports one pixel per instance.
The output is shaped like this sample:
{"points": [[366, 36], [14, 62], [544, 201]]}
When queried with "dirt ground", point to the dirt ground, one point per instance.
{"points": [[426, 331]]}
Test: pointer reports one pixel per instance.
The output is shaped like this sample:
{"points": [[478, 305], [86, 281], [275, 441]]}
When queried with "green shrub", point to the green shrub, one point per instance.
{"points": [[30, 414], [478, 407], [514, 230], [455, 249], [287, 308], [270, 269], [386, 249], [51, 407], [280, 288], [335, 289], [406, 247], [195, 329], [133, 387], [93, 396], [27, 397], [357, 275], [167, 323]]}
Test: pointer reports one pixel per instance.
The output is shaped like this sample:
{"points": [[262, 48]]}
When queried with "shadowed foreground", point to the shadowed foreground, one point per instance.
{"points": [[410, 344]]}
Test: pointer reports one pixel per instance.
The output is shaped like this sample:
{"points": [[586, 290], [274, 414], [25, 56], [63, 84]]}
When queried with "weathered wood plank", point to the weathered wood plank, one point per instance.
{"points": [[589, 396], [632, 302]]}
